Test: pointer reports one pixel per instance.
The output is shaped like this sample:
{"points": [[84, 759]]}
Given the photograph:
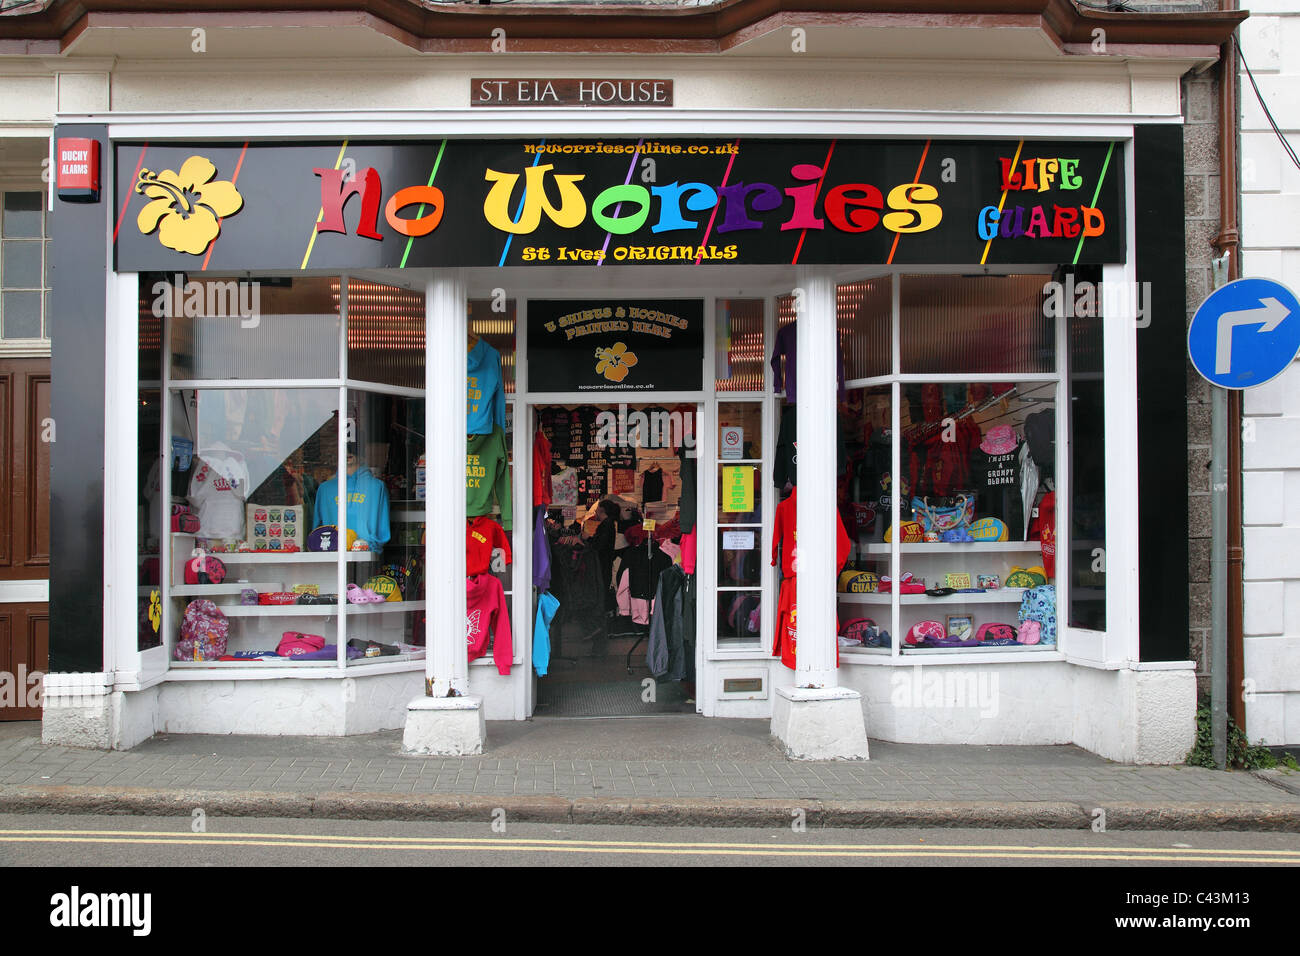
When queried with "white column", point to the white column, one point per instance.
{"points": [[816, 719], [446, 332], [447, 721], [816, 398]]}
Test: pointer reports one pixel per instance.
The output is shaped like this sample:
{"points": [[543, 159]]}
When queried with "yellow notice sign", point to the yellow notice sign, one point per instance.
{"points": [[738, 488]]}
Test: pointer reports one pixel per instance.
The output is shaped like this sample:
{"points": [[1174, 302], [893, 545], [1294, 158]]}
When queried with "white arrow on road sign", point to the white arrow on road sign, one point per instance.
{"points": [[1268, 318]]}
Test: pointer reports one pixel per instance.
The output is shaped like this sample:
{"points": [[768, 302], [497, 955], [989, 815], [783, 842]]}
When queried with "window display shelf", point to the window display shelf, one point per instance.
{"points": [[1000, 596], [387, 607], [321, 610], [246, 665], [1007, 649], [287, 557], [955, 547], [211, 590], [278, 610]]}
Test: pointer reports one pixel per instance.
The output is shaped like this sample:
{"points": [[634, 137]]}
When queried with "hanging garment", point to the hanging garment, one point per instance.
{"points": [[564, 484], [784, 546], [688, 628], [1045, 531], [219, 486], [665, 650], [542, 491], [541, 552], [482, 537], [547, 606], [487, 613], [1040, 436], [367, 507], [784, 538], [1029, 479], [688, 473], [995, 479], [485, 394], [688, 550], [652, 485], [487, 475], [644, 569], [787, 339]]}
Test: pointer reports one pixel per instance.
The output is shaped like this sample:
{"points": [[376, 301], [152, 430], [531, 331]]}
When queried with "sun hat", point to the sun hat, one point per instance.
{"points": [[326, 538], [988, 529], [853, 581], [923, 630], [912, 532], [999, 440], [1022, 578]]}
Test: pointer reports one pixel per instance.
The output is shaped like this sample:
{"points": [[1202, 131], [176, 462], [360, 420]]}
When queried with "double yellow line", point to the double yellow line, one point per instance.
{"points": [[884, 851]]}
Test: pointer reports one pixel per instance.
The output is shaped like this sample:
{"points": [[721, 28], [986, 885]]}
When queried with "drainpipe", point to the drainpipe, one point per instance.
{"points": [[1228, 242]]}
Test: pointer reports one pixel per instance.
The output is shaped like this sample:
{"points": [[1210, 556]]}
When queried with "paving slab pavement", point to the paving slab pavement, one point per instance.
{"points": [[669, 770]]}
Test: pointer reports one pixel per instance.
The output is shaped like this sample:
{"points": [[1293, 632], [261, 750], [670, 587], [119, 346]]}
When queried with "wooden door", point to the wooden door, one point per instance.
{"points": [[26, 431]]}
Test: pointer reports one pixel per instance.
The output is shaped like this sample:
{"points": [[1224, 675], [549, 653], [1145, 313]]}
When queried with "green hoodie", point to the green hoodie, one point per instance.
{"points": [[487, 475]]}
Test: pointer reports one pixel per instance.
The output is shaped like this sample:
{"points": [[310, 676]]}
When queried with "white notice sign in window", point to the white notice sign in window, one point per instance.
{"points": [[737, 541]]}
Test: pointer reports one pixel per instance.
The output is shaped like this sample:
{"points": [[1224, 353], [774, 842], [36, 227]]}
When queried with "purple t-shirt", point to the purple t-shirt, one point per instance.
{"points": [[786, 344]]}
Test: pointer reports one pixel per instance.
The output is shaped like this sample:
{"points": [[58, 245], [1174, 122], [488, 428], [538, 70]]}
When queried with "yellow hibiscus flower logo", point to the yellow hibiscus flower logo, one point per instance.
{"points": [[186, 207], [155, 610], [614, 362]]}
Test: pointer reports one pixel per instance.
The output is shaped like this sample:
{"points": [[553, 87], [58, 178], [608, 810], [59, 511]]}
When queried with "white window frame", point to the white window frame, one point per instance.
{"points": [[1116, 648]]}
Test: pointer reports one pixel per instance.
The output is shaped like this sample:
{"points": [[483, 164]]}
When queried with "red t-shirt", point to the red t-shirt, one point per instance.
{"points": [[542, 492], [783, 536], [482, 536]]}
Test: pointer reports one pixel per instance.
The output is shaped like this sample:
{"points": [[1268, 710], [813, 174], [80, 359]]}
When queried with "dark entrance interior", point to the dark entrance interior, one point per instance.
{"points": [[613, 526]]}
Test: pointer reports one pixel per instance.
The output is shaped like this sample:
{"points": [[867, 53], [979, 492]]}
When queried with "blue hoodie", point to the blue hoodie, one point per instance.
{"points": [[367, 507], [485, 403]]}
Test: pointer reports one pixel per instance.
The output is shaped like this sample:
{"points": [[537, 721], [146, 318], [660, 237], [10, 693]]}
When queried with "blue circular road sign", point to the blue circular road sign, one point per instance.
{"points": [[1245, 333]]}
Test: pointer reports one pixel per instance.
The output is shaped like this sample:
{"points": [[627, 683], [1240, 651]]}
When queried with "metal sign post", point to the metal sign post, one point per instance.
{"points": [[1244, 334]]}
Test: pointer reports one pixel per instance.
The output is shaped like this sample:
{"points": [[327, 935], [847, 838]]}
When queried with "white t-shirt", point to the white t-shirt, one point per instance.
{"points": [[218, 488]]}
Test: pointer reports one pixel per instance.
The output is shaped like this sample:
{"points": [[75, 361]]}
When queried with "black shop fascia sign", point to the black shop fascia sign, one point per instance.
{"points": [[347, 204], [615, 344]]}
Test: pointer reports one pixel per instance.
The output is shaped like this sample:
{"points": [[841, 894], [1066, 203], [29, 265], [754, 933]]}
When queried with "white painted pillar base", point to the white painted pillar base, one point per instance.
{"points": [[445, 726], [820, 723]]}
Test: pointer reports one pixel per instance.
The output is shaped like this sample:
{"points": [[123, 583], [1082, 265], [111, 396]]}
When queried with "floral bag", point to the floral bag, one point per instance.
{"points": [[951, 523]]}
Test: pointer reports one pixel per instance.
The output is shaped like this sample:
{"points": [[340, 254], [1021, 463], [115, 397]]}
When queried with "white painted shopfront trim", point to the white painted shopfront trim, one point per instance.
{"points": [[513, 697], [553, 123]]}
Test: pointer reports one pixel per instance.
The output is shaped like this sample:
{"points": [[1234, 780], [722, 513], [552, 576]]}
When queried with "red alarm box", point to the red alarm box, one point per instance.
{"points": [[77, 165]]}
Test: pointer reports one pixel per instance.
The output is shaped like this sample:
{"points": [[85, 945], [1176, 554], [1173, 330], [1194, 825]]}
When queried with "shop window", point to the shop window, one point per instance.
{"points": [[979, 477], [975, 483], [494, 321], [283, 518], [975, 325], [1087, 464], [385, 333], [739, 353], [385, 604], [865, 488], [741, 569], [240, 328], [151, 529], [864, 311], [24, 267]]}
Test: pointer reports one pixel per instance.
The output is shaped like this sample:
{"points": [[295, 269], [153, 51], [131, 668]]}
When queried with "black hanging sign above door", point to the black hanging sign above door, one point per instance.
{"points": [[615, 344]]}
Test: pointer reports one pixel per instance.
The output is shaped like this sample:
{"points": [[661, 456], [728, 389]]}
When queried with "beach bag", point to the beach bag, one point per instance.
{"points": [[204, 631], [953, 520], [1039, 604]]}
